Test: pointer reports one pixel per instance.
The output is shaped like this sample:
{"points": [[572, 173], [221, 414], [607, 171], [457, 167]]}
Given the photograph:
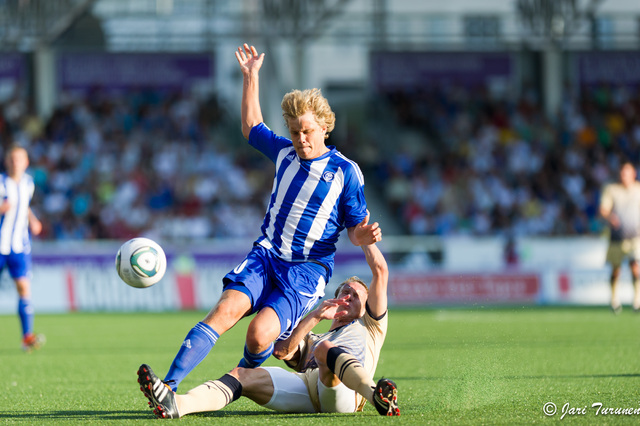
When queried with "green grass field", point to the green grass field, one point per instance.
{"points": [[470, 366]]}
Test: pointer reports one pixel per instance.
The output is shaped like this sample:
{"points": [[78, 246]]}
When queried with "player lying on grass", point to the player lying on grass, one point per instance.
{"points": [[334, 370]]}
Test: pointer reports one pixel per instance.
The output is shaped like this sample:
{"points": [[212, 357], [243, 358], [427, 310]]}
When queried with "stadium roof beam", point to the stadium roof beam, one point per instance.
{"points": [[66, 21], [550, 23], [299, 20], [555, 20], [27, 24]]}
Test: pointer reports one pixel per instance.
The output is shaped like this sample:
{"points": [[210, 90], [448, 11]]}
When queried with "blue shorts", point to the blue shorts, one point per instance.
{"points": [[18, 264], [291, 289]]}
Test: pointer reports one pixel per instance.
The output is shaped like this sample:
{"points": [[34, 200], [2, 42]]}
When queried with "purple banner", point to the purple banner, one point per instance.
{"points": [[619, 68], [12, 66], [13, 78], [397, 70], [118, 71]]}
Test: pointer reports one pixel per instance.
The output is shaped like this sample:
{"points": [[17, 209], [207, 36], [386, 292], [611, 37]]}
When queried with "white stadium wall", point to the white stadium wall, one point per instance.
{"points": [[569, 271]]}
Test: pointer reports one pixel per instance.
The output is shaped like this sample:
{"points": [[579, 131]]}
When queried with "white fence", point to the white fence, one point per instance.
{"points": [[424, 272]]}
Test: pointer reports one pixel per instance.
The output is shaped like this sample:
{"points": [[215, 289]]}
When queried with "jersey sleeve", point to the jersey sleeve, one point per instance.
{"points": [[377, 329], [267, 142], [354, 205]]}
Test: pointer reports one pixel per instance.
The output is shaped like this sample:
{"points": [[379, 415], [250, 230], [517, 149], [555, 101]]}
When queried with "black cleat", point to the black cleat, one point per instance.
{"points": [[385, 398], [161, 398]]}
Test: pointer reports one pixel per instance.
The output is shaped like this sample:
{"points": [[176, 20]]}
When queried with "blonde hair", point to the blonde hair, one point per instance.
{"points": [[296, 103], [353, 279]]}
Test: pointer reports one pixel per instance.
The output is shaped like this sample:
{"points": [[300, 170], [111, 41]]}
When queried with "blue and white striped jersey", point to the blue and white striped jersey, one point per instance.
{"points": [[311, 202], [14, 224]]}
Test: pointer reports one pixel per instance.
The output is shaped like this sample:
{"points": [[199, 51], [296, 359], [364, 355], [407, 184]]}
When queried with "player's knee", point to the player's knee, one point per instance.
{"points": [[249, 378], [237, 372], [615, 272], [321, 351], [23, 288], [257, 342], [278, 353], [261, 333]]}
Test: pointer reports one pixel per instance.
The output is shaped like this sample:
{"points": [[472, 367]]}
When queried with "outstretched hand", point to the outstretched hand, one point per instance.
{"points": [[328, 309], [366, 234], [249, 59]]}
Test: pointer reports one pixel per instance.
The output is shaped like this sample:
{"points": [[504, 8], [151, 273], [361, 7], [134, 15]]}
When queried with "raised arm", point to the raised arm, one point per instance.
{"points": [[377, 300], [250, 63]]}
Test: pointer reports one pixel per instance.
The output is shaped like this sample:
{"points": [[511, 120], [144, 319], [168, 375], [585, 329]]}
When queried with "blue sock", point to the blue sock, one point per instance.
{"points": [[255, 360], [194, 349], [25, 312]]}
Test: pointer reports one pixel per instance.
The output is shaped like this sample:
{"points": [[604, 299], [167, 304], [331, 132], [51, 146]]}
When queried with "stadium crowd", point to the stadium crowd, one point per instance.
{"points": [[146, 163], [169, 165], [481, 166]]}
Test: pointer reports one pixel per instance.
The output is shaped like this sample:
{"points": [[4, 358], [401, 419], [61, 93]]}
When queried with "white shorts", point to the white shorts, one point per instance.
{"points": [[290, 394]]}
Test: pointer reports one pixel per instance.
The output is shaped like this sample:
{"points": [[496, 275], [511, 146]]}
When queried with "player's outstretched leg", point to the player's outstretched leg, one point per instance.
{"points": [[385, 398], [161, 398]]}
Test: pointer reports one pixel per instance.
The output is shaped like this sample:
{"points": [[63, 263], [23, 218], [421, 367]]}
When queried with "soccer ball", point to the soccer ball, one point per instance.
{"points": [[141, 262]]}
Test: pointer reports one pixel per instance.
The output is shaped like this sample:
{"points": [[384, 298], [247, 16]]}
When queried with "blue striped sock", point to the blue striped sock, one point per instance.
{"points": [[25, 312], [255, 360], [198, 343]]}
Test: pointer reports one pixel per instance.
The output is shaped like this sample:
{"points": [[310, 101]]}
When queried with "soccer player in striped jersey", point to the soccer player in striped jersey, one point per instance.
{"points": [[335, 369], [16, 221], [317, 192]]}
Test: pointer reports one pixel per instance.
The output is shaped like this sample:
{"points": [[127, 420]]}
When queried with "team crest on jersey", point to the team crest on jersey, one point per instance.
{"points": [[328, 176]]}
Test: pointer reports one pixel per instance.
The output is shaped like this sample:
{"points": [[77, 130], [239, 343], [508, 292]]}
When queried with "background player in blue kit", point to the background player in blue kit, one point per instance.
{"points": [[317, 192], [16, 220]]}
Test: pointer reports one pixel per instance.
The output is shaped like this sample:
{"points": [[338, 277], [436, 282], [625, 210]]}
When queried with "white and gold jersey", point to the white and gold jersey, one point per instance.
{"points": [[625, 204], [362, 338]]}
